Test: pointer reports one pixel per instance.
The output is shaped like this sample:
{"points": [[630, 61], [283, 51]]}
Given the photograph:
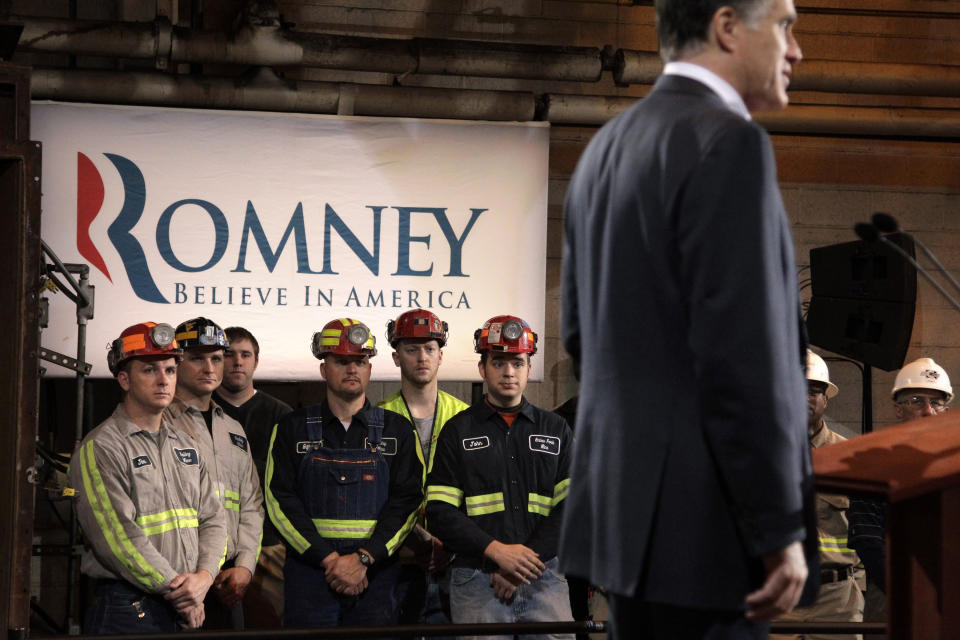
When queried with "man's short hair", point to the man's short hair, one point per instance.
{"points": [[239, 333], [682, 24]]}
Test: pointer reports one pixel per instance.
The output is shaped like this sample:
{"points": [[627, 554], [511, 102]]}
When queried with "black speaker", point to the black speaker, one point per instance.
{"points": [[864, 300]]}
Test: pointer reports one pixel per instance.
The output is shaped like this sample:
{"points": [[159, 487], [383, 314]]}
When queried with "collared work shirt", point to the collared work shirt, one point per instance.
{"points": [[832, 525], [148, 511], [234, 475], [494, 482]]}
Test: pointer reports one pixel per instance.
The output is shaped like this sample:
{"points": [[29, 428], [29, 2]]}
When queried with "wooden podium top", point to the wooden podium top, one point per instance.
{"points": [[896, 463]]}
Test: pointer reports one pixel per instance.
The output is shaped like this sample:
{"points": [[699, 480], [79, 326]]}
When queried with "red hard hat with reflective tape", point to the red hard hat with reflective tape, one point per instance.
{"points": [[141, 341], [505, 334], [344, 336], [417, 324]]}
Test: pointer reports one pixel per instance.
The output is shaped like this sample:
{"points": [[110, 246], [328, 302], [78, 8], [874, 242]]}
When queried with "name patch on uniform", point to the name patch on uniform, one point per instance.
{"points": [[545, 444], [387, 446], [369, 477], [141, 461], [472, 444], [187, 456], [306, 446], [238, 441]]}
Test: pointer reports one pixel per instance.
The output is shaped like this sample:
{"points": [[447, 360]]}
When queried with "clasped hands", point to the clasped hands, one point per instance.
{"points": [[186, 594], [345, 574], [518, 564]]}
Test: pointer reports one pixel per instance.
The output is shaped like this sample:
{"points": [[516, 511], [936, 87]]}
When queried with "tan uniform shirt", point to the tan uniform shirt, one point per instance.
{"points": [[832, 525], [233, 473], [147, 510]]}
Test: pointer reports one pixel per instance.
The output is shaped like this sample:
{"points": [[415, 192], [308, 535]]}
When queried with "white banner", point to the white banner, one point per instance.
{"points": [[280, 223]]}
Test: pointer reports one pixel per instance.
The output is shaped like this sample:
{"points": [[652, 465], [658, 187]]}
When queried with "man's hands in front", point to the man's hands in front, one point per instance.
{"points": [[503, 586], [192, 617], [345, 574], [786, 574], [231, 584], [515, 561], [186, 594]]}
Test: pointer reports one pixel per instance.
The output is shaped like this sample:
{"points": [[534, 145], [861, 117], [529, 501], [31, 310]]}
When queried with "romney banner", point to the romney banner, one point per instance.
{"points": [[282, 222]]}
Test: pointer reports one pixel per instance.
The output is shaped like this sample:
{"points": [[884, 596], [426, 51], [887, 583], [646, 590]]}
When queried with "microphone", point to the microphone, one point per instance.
{"points": [[870, 232], [888, 224]]}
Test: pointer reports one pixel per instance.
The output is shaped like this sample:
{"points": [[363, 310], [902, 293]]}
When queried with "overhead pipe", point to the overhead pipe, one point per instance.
{"points": [[271, 45], [861, 77], [832, 76], [264, 91]]}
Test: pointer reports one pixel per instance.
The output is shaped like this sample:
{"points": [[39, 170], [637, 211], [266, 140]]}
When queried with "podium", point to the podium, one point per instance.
{"points": [[915, 468]]}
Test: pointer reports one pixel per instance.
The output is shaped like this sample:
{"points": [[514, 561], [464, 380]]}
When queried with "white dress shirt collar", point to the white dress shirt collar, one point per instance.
{"points": [[717, 84]]}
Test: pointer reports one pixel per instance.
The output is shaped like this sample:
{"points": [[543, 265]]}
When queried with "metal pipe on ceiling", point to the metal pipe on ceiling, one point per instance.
{"points": [[272, 45], [832, 76], [269, 44], [264, 91]]}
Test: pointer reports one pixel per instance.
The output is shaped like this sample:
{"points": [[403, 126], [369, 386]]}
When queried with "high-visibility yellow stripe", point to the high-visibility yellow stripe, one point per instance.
{"points": [[166, 515], [233, 506], [442, 493], [330, 528], [827, 548], [394, 543], [539, 504], [560, 491], [109, 523], [485, 504], [232, 495], [180, 523], [223, 558], [835, 545], [280, 520]]}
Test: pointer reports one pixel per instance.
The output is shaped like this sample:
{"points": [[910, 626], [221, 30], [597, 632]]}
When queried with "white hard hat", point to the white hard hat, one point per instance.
{"points": [[817, 371], [923, 373]]}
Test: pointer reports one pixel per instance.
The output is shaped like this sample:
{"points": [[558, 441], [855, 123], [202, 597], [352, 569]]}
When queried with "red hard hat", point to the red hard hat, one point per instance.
{"points": [[141, 340], [344, 336], [417, 324], [506, 334]]}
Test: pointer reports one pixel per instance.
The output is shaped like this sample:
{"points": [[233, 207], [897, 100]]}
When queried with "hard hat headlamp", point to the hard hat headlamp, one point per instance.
{"points": [[511, 330], [162, 335], [358, 335]]}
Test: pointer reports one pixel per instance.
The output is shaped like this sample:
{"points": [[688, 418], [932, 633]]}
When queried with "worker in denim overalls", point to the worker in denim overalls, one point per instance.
{"points": [[343, 489]]}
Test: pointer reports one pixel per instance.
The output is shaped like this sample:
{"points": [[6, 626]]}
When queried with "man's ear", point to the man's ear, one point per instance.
{"points": [[323, 369], [724, 28], [124, 379], [396, 358]]}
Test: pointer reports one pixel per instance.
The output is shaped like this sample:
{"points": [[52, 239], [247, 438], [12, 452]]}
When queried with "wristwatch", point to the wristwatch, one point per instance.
{"points": [[365, 559]]}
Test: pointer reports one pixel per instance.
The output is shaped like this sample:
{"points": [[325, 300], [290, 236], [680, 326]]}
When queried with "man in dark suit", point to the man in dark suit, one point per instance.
{"points": [[691, 490]]}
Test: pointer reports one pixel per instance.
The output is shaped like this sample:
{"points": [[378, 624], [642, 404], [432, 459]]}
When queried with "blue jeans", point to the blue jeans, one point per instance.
{"points": [[310, 602], [544, 600], [119, 607]]}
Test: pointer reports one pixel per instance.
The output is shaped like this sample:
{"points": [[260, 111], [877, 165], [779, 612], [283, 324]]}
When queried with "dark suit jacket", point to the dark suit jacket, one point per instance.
{"points": [[680, 301]]}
